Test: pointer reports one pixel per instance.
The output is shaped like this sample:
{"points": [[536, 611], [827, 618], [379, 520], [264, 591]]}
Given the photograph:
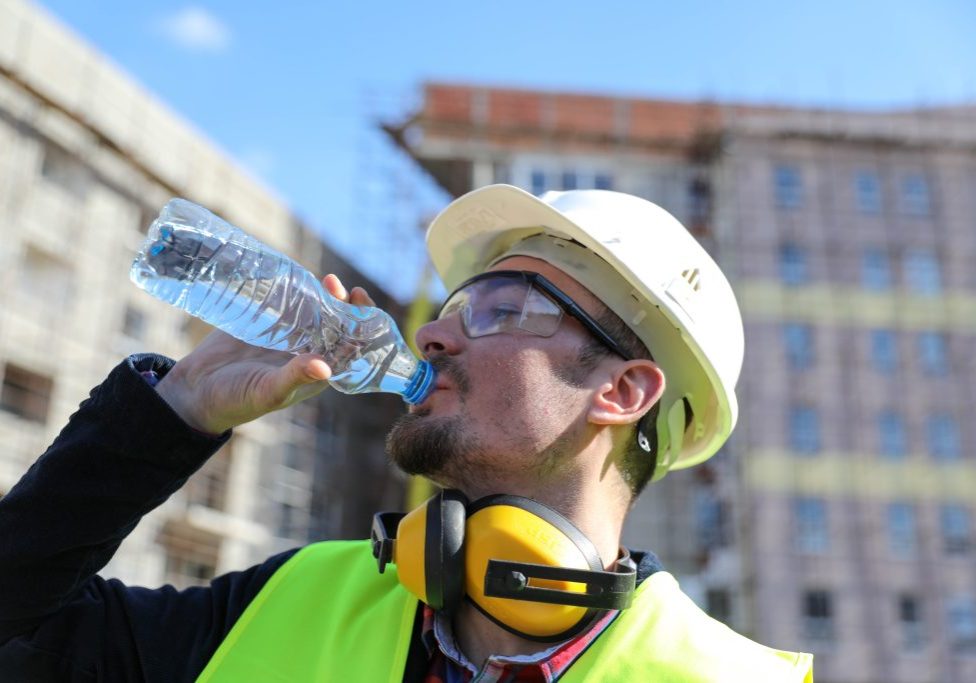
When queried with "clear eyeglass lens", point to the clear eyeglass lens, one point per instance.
{"points": [[495, 306], [457, 302], [540, 314]]}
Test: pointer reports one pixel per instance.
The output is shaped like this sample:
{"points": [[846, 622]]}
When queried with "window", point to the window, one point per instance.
{"points": [[818, 615], [501, 172], [712, 519], [293, 522], [788, 187], [891, 434], [25, 393], [884, 351], [700, 200], [798, 339], [804, 430], [208, 487], [943, 436], [538, 182], [956, 532], [569, 180], [66, 171], [185, 569], [810, 525], [910, 622], [793, 268], [962, 623], [875, 270], [932, 353], [922, 272], [867, 189], [191, 553], [603, 181], [296, 457], [133, 323], [718, 604], [902, 532], [47, 279], [915, 198]]}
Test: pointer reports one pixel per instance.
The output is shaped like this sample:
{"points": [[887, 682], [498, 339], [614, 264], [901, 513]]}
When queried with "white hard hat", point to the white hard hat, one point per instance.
{"points": [[645, 266]]}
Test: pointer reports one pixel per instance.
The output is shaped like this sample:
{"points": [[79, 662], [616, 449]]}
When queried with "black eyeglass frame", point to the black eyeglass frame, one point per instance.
{"points": [[557, 296]]}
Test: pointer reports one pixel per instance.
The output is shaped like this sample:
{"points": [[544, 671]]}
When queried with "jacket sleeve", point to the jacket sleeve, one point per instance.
{"points": [[121, 454]]}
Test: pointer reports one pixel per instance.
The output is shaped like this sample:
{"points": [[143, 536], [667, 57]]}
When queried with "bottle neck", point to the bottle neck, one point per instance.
{"points": [[420, 384]]}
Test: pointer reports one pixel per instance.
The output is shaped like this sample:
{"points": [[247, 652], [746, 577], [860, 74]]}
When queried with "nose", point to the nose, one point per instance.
{"points": [[441, 336]]}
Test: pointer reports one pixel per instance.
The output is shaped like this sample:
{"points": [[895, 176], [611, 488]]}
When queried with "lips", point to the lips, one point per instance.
{"points": [[423, 407]]}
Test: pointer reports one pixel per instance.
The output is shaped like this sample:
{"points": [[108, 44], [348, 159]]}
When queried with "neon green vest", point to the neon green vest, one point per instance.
{"points": [[328, 615]]}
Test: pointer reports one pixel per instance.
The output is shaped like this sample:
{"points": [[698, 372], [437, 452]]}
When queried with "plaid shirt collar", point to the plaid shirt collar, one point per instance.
{"points": [[449, 665]]}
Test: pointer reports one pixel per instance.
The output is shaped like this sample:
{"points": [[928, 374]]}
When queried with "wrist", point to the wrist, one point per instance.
{"points": [[174, 393]]}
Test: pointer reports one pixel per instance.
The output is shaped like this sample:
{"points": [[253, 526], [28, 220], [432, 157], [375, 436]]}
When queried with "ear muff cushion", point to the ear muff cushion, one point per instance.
{"points": [[522, 530], [444, 550]]}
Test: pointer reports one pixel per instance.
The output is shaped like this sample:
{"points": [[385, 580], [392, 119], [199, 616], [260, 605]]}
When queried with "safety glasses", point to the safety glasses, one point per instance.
{"points": [[506, 301]]}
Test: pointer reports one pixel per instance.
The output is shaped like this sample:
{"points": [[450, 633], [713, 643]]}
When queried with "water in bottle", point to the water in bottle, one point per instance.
{"points": [[196, 261]]}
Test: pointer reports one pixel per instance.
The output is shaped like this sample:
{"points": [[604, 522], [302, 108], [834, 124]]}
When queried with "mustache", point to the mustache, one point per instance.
{"points": [[450, 367]]}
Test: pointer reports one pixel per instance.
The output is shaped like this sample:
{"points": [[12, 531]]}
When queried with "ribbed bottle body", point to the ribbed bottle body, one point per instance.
{"points": [[196, 261]]}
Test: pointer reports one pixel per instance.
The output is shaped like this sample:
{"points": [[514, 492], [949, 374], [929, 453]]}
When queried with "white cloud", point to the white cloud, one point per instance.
{"points": [[195, 28]]}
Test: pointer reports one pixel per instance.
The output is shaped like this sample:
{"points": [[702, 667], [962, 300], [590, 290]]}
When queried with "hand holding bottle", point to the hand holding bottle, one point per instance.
{"points": [[225, 382]]}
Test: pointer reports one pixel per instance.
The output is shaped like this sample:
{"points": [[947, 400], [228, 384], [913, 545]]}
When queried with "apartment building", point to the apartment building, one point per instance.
{"points": [[87, 159], [839, 517]]}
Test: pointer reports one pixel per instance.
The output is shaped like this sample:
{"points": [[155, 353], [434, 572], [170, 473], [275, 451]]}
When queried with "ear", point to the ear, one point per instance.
{"points": [[633, 388]]}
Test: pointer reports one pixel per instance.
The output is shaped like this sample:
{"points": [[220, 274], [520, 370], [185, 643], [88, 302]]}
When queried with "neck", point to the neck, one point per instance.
{"points": [[590, 493], [595, 502], [479, 638]]}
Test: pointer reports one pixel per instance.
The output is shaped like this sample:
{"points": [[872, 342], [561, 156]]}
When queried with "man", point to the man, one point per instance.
{"points": [[590, 346]]}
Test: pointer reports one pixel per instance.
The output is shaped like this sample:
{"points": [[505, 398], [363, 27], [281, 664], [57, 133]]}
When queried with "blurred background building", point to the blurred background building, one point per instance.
{"points": [[839, 518], [87, 159]]}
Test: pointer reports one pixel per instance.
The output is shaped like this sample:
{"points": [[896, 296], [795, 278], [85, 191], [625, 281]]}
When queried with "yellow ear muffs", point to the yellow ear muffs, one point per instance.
{"points": [[532, 572], [436, 575], [521, 564]]}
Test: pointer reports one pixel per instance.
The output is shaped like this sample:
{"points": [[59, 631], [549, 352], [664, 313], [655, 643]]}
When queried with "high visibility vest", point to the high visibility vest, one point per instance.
{"points": [[328, 615]]}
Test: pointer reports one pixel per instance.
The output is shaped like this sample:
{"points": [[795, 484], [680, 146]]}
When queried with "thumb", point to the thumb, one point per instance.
{"points": [[312, 366], [298, 372]]}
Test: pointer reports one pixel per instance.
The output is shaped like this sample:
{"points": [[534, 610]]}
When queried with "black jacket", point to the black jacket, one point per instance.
{"points": [[122, 454]]}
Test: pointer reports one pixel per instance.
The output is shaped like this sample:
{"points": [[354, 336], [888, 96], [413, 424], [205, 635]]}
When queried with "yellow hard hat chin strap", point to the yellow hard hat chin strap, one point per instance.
{"points": [[671, 425]]}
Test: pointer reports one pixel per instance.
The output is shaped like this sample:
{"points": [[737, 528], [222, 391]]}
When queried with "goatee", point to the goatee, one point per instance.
{"points": [[422, 445], [431, 446]]}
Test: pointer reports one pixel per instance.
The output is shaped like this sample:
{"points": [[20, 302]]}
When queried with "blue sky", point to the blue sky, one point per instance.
{"points": [[291, 88]]}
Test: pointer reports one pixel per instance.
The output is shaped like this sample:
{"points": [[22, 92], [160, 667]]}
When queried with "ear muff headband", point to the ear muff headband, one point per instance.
{"points": [[436, 575]]}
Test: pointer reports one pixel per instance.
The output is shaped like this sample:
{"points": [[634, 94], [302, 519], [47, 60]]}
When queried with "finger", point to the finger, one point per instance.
{"points": [[359, 297], [300, 372], [313, 367], [334, 287]]}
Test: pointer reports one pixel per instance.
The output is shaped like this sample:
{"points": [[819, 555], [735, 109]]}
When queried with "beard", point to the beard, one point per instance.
{"points": [[422, 445], [418, 444]]}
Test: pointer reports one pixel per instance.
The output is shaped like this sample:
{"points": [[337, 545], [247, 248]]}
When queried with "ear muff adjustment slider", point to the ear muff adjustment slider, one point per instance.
{"points": [[604, 590]]}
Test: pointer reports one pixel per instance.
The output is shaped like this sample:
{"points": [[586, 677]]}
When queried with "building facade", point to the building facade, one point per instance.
{"points": [[839, 517], [87, 159]]}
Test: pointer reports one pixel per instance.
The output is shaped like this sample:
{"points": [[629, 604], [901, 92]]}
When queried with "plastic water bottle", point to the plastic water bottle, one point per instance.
{"points": [[197, 261]]}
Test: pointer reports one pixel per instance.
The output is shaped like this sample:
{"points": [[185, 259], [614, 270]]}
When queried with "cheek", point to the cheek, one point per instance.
{"points": [[503, 383], [527, 381]]}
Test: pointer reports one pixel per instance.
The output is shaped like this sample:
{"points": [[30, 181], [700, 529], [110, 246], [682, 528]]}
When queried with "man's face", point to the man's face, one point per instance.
{"points": [[503, 403]]}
